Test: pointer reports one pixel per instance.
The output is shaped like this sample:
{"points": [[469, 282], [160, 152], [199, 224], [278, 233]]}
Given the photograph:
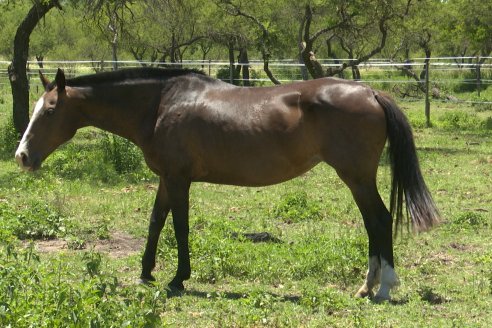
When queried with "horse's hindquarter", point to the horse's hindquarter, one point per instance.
{"points": [[255, 136], [352, 125]]}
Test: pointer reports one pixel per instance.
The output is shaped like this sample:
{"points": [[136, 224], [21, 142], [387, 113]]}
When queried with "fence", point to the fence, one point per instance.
{"points": [[446, 76]]}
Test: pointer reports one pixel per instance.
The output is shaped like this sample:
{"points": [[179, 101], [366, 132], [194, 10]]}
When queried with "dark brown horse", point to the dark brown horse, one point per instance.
{"points": [[193, 128]]}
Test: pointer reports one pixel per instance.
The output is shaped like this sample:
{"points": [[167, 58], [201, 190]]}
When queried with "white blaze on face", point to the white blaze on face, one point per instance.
{"points": [[25, 138]]}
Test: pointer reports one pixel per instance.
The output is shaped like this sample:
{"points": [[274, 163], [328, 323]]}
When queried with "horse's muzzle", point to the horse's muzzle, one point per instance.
{"points": [[25, 161]]}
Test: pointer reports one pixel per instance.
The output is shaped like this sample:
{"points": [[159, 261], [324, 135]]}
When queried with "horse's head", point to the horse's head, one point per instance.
{"points": [[53, 122]]}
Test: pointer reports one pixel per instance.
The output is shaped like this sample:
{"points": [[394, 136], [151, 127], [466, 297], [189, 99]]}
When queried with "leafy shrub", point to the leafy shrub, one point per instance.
{"points": [[8, 139], [104, 160], [459, 120], [224, 74], [37, 221], [124, 156], [295, 207], [74, 161], [469, 219], [468, 83], [35, 292], [483, 105], [487, 123]]}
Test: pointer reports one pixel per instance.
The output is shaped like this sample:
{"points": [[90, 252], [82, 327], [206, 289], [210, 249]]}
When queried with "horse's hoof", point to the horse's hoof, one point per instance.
{"points": [[146, 280], [175, 290], [363, 293], [176, 285], [379, 299]]}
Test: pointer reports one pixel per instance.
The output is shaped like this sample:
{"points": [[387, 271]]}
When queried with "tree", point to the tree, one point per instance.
{"points": [[264, 40], [110, 17], [358, 28], [467, 29], [17, 69]]}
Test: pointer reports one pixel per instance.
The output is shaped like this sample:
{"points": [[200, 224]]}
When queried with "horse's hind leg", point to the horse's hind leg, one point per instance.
{"points": [[378, 224]]}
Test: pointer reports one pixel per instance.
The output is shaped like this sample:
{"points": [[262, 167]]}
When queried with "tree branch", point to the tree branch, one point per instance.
{"points": [[236, 11]]}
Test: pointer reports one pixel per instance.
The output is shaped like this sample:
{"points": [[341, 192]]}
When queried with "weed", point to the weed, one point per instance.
{"points": [[459, 120], [487, 123], [483, 107], [428, 295], [8, 139], [36, 221], [74, 162], [469, 220], [489, 278], [124, 156], [92, 263], [328, 301], [75, 243], [295, 207]]}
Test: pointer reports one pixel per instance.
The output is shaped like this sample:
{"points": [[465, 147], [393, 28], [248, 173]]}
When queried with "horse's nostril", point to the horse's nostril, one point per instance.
{"points": [[24, 158]]}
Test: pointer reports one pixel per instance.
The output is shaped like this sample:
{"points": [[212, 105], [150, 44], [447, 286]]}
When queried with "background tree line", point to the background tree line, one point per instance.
{"points": [[156, 31]]}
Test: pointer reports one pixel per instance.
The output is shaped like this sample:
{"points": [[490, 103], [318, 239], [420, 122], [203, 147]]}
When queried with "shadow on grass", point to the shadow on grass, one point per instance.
{"points": [[231, 295], [295, 299]]}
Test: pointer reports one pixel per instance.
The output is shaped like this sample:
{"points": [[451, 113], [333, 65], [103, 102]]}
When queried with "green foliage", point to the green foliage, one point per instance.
{"points": [[487, 123], [225, 75], [8, 139], [124, 156], [295, 207], [31, 294], [105, 158], [467, 220], [482, 107], [36, 221], [80, 162], [460, 120], [328, 301]]}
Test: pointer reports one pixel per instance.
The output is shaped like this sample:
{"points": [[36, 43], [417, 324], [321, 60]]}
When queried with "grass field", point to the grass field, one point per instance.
{"points": [[72, 236]]}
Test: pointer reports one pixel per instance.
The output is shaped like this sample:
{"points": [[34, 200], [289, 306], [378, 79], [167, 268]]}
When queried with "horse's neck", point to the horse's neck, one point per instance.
{"points": [[118, 112]]}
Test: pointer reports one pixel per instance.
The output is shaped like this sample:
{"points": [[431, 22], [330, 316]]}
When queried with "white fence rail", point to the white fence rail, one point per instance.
{"points": [[455, 74]]}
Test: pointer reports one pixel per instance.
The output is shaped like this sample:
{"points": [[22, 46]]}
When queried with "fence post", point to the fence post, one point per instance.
{"points": [[231, 62], [427, 99], [479, 78]]}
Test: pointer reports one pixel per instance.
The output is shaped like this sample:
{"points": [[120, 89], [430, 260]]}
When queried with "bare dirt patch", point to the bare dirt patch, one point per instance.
{"points": [[119, 245]]}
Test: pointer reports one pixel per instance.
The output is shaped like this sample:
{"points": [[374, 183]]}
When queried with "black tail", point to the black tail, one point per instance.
{"points": [[407, 180]]}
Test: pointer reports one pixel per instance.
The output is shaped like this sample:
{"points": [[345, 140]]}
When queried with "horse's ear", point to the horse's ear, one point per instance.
{"points": [[44, 81], [60, 80]]}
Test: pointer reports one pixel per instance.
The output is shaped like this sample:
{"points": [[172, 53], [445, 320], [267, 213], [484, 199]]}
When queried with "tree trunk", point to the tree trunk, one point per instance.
{"points": [[17, 69], [355, 73], [231, 62], [243, 59], [39, 59], [114, 48]]}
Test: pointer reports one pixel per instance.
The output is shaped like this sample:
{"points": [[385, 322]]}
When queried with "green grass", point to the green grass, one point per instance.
{"points": [[307, 279]]}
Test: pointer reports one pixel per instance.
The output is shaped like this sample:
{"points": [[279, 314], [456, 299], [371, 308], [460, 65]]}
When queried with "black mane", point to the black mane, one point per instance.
{"points": [[128, 75]]}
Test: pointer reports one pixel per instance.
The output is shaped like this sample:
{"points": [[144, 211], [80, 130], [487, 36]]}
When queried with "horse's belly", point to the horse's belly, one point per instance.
{"points": [[255, 171]]}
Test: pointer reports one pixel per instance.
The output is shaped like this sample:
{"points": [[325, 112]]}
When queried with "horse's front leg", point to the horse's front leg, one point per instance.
{"points": [[179, 200], [157, 219]]}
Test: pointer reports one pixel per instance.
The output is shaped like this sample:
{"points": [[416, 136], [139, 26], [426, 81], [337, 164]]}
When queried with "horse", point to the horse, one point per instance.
{"points": [[193, 128]]}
